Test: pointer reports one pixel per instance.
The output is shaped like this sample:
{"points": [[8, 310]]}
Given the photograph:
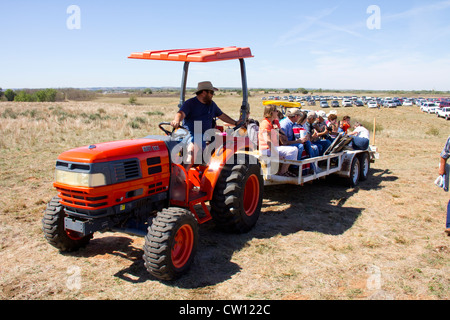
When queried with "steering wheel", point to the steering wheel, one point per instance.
{"points": [[176, 134], [167, 132]]}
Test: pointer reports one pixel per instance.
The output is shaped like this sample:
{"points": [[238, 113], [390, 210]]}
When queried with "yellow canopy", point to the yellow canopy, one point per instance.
{"points": [[282, 103]]}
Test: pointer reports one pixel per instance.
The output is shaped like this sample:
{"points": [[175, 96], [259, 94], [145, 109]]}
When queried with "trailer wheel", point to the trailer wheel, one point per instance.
{"points": [[54, 232], [237, 197], [171, 243], [365, 167], [354, 172]]}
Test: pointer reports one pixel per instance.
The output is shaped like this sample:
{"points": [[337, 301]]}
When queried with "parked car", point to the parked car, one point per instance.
{"points": [[432, 108], [428, 107], [324, 104], [359, 103], [420, 102], [390, 104], [387, 101], [372, 104], [346, 103], [407, 102], [335, 104], [443, 113]]}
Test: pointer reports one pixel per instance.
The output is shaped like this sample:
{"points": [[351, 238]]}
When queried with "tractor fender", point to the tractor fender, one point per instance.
{"points": [[222, 155]]}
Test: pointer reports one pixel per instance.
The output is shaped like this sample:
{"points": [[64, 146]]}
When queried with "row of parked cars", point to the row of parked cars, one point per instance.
{"points": [[430, 105], [440, 108]]}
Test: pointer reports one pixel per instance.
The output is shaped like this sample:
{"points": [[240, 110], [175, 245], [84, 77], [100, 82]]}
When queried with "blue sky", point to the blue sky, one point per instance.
{"points": [[312, 44]]}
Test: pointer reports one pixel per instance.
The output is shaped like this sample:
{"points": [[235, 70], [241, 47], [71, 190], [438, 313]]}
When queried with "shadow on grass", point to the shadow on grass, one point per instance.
{"points": [[287, 209]]}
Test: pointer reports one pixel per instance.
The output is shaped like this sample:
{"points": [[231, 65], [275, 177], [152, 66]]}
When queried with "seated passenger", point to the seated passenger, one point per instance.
{"points": [[288, 124], [269, 138], [301, 133], [250, 129], [333, 125], [345, 124], [314, 135], [361, 137], [321, 127], [252, 132]]}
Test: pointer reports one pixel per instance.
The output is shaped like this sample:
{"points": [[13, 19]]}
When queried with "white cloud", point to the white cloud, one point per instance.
{"points": [[302, 32]]}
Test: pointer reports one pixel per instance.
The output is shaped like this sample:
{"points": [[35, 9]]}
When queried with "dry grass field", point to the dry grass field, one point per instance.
{"points": [[323, 241]]}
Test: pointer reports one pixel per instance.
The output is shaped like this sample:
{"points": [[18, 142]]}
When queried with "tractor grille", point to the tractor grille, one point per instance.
{"points": [[79, 198], [126, 170]]}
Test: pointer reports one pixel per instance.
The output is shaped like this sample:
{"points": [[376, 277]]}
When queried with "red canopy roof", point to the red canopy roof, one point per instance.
{"points": [[195, 55]]}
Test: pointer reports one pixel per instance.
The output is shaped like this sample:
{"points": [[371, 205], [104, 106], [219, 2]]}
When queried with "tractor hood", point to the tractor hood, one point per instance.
{"points": [[111, 151]]}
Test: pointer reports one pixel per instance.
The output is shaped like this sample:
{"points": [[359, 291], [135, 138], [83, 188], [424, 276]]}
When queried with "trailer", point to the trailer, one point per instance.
{"points": [[339, 159], [352, 165]]}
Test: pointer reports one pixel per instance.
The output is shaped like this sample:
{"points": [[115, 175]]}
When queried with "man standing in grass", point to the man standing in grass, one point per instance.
{"points": [[445, 154]]}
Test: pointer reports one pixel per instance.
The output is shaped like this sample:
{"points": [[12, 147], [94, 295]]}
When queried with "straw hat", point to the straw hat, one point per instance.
{"points": [[205, 85]]}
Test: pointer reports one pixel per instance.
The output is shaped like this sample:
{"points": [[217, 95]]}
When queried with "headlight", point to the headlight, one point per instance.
{"points": [[80, 179]]}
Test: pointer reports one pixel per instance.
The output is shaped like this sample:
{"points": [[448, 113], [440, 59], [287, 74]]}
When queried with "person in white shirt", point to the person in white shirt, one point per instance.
{"points": [[361, 137]]}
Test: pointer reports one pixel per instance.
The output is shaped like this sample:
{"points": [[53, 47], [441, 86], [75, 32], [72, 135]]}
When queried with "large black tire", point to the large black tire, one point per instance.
{"points": [[54, 232], [237, 198], [171, 243], [364, 162]]}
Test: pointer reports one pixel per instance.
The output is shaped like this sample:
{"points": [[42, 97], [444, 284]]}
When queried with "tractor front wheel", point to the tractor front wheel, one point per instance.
{"points": [[56, 234], [171, 243]]}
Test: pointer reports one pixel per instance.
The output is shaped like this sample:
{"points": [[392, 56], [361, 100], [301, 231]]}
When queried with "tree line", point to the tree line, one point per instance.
{"points": [[46, 95]]}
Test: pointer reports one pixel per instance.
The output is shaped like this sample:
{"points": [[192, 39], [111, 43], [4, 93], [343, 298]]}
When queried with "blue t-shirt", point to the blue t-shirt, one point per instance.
{"points": [[287, 125], [197, 111]]}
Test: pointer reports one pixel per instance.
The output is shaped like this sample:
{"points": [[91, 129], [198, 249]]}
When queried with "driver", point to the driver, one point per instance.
{"points": [[197, 115]]}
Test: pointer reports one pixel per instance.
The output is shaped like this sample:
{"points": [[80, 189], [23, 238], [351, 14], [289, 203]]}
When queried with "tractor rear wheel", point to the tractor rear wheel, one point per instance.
{"points": [[56, 234], [238, 195], [171, 243]]}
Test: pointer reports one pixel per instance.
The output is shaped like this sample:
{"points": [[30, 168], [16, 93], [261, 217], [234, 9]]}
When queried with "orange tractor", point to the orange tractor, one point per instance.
{"points": [[135, 186]]}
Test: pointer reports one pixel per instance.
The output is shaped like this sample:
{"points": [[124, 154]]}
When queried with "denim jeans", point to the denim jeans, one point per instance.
{"points": [[322, 145], [359, 143], [447, 224], [312, 150], [301, 148]]}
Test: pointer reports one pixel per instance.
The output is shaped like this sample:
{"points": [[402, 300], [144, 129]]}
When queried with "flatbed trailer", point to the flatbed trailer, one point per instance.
{"points": [[350, 164], [339, 159]]}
